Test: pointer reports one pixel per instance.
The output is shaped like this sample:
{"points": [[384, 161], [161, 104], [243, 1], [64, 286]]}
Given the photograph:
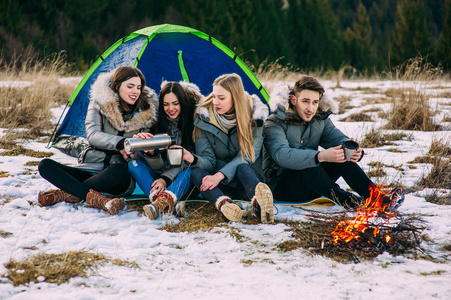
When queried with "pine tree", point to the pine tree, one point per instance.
{"points": [[359, 41], [411, 35], [445, 40]]}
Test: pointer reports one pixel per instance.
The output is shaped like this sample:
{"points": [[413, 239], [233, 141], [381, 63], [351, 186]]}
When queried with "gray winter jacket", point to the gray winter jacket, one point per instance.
{"points": [[105, 126], [289, 142], [160, 165], [217, 151]]}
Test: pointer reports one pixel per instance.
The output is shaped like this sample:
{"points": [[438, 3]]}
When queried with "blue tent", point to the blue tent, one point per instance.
{"points": [[162, 52]]}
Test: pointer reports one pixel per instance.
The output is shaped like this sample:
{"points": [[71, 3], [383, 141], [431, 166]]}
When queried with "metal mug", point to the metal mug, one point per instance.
{"points": [[349, 147], [175, 156], [158, 141]]}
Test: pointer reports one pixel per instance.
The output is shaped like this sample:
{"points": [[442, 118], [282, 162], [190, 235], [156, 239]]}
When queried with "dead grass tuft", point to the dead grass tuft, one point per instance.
{"points": [[376, 139], [365, 90], [28, 106], [201, 217], [357, 117], [275, 71], [58, 268], [439, 155], [411, 111], [20, 150], [446, 94], [53, 268], [343, 103], [5, 234], [416, 69], [439, 199], [4, 174]]}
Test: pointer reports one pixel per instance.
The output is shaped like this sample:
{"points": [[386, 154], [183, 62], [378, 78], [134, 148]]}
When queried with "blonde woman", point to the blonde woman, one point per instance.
{"points": [[228, 138]]}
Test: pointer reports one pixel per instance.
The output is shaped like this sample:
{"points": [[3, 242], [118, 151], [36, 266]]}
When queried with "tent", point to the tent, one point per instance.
{"points": [[162, 52]]}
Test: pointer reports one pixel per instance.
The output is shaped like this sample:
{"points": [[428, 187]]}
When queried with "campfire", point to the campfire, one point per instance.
{"points": [[372, 230], [372, 222]]}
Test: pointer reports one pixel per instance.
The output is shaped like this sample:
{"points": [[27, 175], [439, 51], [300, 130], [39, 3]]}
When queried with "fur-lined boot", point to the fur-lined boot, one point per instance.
{"points": [[110, 205], [52, 197], [230, 210], [165, 200]]}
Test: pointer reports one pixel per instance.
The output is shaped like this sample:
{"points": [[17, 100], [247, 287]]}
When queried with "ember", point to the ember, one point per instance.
{"points": [[359, 230]]}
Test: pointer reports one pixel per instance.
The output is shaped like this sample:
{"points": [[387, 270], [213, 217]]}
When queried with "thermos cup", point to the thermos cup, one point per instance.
{"points": [[175, 156], [158, 141], [349, 147]]}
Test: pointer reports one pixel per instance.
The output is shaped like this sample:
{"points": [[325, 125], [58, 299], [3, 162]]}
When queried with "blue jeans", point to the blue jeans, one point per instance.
{"points": [[145, 176], [247, 181]]}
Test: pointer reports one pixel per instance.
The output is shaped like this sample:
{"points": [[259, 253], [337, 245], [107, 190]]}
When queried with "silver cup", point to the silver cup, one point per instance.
{"points": [[158, 141], [349, 147], [175, 156]]}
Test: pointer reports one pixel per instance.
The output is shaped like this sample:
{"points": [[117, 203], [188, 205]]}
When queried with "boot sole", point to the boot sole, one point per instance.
{"points": [[233, 212], [149, 212], [264, 198]]}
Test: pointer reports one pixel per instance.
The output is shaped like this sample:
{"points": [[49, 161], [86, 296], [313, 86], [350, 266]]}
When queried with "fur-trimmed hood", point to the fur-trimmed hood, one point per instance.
{"points": [[191, 89], [260, 110], [107, 102], [280, 97]]}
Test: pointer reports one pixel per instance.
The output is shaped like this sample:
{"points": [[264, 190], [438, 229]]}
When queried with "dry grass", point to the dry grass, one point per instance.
{"points": [[275, 71], [439, 156], [201, 217], [376, 139], [411, 111], [357, 117], [445, 94], [53, 268], [377, 100], [415, 69], [29, 106], [5, 234], [58, 268], [365, 90], [343, 103]]}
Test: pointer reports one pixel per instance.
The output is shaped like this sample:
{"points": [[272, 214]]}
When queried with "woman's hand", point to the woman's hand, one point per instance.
{"points": [[125, 155], [145, 136], [187, 156], [158, 186], [209, 182]]}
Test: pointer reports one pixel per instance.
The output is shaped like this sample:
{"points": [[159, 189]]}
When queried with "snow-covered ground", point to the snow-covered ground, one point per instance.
{"points": [[213, 265]]}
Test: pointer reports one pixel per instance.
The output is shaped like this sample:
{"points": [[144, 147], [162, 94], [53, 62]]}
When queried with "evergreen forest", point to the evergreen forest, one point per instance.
{"points": [[369, 35]]}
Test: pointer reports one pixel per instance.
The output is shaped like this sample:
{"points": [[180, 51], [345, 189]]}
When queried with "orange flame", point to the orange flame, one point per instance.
{"points": [[375, 205]]}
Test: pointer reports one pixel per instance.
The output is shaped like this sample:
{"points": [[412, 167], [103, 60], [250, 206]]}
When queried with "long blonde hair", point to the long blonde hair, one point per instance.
{"points": [[243, 110]]}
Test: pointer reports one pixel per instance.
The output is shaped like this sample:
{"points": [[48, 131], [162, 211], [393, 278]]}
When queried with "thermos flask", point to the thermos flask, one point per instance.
{"points": [[158, 141]]}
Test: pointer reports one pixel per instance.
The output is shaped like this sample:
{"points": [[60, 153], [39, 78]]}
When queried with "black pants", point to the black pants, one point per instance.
{"points": [[307, 184], [114, 180]]}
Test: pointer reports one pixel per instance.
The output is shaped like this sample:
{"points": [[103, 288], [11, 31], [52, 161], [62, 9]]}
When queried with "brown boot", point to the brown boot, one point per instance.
{"points": [[110, 205], [52, 197], [164, 200]]}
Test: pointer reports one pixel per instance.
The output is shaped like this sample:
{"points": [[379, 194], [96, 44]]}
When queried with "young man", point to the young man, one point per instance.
{"points": [[293, 164]]}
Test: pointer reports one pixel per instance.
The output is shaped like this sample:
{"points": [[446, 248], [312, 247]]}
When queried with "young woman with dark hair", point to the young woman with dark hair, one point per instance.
{"points": [[120, 107], [152, 171]]}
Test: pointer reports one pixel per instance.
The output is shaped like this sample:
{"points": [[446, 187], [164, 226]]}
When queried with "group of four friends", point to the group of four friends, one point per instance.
{"points": [[232, 150]]}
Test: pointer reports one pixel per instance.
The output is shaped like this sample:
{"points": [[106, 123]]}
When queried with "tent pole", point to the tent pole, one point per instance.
{"points": [[56, 126]]}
